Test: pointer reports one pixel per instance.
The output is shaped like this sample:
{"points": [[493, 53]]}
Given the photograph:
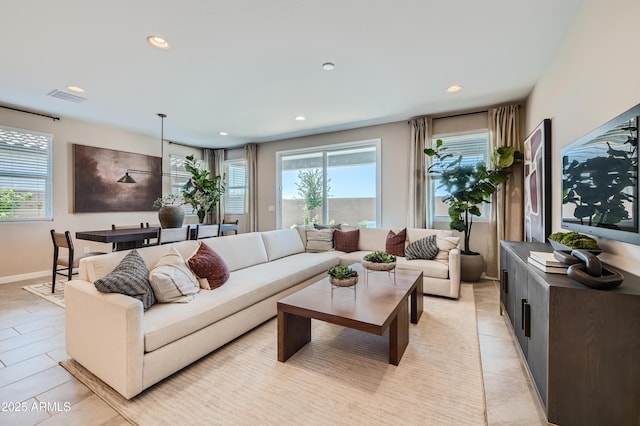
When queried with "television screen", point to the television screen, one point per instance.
{"points": [[600, 181]]}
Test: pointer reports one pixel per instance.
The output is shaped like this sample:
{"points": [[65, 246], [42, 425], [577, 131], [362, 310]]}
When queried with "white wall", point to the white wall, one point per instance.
{"points": [[592, 78], [25, 247]]}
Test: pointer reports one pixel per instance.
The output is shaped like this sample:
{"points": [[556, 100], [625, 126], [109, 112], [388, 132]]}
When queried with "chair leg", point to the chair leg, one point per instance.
{"points": [[55, 267]]}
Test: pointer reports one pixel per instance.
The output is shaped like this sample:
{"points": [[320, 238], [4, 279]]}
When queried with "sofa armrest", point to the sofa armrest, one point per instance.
{"points": [[104, 333], [454, 272]]}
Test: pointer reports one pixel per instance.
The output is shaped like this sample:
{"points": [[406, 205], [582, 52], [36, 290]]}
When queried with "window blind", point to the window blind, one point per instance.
{"points": [[25, 175], [236, 187]]}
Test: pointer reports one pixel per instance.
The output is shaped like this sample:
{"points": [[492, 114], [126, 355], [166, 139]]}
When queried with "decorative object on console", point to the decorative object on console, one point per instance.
{"points": [[342, 276], [592, 273], [600, 181], [95, 187], [379, 261], [537, 193], [170, 212], [201, 191], [568, 241], [546, 262], [467, 187]]}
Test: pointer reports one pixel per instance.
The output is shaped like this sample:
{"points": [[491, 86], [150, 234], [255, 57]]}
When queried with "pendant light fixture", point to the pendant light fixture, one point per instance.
{"points": [[127, 177]]}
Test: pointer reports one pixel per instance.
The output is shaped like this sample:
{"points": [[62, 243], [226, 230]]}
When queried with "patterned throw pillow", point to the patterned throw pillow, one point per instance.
{"points": [[172, 280], [424, 248], [209, 267], [319, 240], [395, 242], [130, 277], [346, 241]]}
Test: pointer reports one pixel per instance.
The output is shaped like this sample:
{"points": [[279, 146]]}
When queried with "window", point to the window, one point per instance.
{"points": [[236, 186], [179, 177], [25, 175], [337, 184], [473, 148]]}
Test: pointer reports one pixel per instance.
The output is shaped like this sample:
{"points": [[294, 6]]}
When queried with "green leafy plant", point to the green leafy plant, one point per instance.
{"points": [[202, 192], [469, 186], [170, 200], [10, 201], [310, 187], [342, 272], [380, 257], [575, 240]]}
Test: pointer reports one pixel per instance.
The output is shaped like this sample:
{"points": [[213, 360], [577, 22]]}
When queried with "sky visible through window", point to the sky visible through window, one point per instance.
{"points": [[346, 182]]}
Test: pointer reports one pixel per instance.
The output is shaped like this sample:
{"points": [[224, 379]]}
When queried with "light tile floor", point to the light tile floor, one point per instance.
{"points": [[34, 389]]}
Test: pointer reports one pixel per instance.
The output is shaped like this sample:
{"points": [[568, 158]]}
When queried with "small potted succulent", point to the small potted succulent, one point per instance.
{"points": [[379, 261], [342, 276]]}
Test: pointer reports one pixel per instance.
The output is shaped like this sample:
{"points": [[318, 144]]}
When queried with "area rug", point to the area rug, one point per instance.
{"points": [[44, 291], [341, 377]]}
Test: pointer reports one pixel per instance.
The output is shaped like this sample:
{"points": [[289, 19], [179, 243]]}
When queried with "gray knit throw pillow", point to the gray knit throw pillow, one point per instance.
{"points": [[130, 277], [424, 248]]}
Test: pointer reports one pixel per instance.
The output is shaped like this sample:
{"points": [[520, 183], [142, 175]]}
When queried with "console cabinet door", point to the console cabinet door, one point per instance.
{"points": [[537, 332], [512, 275], [519, 284]]}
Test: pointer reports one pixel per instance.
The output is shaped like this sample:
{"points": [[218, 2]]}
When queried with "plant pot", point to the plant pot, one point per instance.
{"points": [[471, 267], [171, 216]]}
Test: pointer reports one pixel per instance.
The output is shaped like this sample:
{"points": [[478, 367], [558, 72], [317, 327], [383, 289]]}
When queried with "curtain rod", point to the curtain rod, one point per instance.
{"points": [[480, 111], [183, 144], [31, 112]]}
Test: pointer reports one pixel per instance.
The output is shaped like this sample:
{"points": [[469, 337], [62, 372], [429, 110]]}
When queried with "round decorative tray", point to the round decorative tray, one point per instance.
{"points": [[378, 266], [347, 282], [561, 247]]}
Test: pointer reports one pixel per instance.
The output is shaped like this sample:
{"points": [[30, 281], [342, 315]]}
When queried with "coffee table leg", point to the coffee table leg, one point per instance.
{"points": [[417, 302], [293, 333], [399, 334]]}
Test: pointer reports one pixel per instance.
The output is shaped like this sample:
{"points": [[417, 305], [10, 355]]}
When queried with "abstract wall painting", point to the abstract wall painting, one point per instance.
{"points": [[537, 183], [96, 171]]}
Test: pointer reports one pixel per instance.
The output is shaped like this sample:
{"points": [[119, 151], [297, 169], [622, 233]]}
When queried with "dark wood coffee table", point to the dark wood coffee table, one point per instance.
{"points": [[373, 307]]}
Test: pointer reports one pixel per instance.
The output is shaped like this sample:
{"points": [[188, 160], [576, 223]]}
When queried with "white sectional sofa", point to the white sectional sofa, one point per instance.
{"points": [[131, 349]]}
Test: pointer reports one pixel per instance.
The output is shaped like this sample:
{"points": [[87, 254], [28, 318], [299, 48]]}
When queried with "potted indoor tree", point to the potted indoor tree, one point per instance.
{"points": [[202, 192], [468, 187]]}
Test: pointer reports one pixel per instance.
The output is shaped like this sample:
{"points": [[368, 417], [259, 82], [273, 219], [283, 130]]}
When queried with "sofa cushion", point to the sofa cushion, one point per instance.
{"points": [[346, 241], [445, 244], [281, 243], [165, 323], [239, 251], [396, 242], [424, 248], [319, 240], [130, 277], [209, 267], [373, 239], [172, 280], [429, 268]]}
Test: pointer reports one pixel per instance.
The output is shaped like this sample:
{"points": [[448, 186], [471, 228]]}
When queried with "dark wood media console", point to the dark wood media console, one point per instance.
{"points": [[582, 346]]}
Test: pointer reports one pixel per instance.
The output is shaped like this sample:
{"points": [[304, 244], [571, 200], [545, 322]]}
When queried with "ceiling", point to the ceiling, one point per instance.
{"points": [[249, 67]]}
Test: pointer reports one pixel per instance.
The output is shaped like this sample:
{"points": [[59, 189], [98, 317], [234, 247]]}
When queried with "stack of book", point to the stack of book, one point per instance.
{"points": [[546, 262]]}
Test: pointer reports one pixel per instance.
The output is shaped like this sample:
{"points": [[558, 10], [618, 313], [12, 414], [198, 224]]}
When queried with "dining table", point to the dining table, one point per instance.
{"points": [[124, 238]]}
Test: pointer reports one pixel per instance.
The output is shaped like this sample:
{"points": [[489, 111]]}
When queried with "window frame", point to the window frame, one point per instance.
{"points": [[377, 143], [244, 187], [24, 173]]}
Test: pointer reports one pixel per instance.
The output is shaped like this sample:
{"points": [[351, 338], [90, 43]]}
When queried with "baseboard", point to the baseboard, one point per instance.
{"points": [[21, 277]]}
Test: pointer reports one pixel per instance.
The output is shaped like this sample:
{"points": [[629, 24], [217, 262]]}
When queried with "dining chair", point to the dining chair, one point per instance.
{"points": [[66, 263], [206, 231], [114, 246], [173, 235], [232, 225]]}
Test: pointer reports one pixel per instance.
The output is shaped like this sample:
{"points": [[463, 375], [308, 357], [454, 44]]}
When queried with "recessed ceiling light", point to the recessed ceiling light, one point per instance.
{"points": [[300, 118], [224, 134], [76, 89], [328, 66], [454, 88], [158, 42]]}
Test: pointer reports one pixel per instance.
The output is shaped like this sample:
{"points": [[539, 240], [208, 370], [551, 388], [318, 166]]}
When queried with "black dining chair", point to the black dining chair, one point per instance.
{"points": [[206, 231], [173, 235], [64, 265]]}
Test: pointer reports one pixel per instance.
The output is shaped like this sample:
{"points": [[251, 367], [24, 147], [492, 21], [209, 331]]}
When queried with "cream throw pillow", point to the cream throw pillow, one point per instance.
{"points": [[172, 280], [319, 240], [445, 244]]}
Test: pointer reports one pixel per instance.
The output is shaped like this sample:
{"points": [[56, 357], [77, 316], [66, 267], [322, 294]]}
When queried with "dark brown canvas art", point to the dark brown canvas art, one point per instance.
{"points": [[96, 171]]}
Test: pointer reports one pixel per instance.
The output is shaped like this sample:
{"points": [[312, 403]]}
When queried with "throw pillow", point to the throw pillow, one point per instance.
{"points": [[319, 240], [346, 241], [172, 280], [338, 226], [395, 242], [209, 267], [445, 245], [424, 248], [130, 277]]}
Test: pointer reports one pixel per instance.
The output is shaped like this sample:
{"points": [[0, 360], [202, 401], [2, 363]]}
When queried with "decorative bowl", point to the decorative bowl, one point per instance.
{"points": [[375, 266], [345, 282], [561, 247]]}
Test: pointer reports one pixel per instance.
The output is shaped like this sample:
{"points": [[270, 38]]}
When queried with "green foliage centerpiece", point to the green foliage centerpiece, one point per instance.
{"points": [[379, 261], [342, 276]]}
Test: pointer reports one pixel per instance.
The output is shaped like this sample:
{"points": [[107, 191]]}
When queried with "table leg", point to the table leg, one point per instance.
{"points": [[417, 302], [293, 333], [399, 334]]}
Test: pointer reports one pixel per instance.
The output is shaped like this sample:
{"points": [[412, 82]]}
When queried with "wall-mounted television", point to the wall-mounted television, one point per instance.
{"points": [[600, 181]]}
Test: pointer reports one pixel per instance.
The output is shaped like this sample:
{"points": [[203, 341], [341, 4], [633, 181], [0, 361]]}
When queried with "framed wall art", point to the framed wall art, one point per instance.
{"points": [[537, 183], [96, 172]]}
